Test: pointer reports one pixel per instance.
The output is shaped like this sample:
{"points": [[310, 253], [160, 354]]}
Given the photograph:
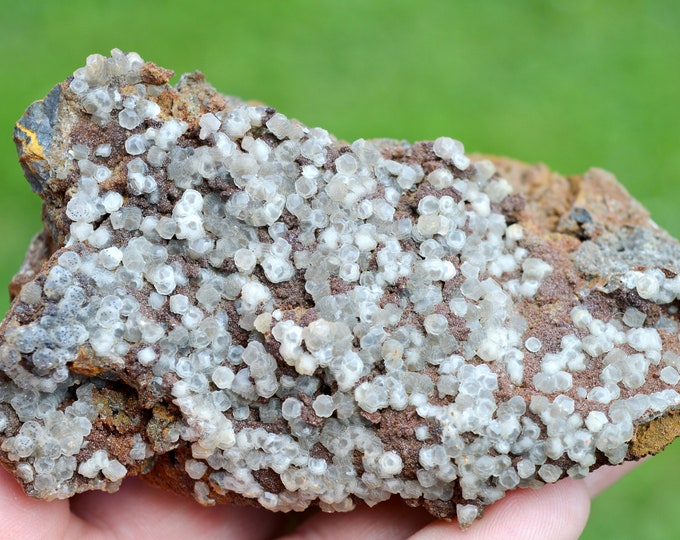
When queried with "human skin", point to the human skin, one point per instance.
{"points": [[558, 511]]}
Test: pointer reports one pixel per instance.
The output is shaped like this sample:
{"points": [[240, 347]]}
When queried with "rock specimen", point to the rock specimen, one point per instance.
{"points": [[243, 309]]}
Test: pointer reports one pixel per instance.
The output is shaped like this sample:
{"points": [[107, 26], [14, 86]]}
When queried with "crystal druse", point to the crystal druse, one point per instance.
{"points": [[243, 309]]}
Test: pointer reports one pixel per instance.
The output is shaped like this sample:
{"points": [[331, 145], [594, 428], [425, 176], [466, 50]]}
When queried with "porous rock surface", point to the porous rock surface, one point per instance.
{"points": [[242, 309]]}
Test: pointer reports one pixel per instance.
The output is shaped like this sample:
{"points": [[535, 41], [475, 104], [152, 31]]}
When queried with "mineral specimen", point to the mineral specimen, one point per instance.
{"points": [[238, 307]]}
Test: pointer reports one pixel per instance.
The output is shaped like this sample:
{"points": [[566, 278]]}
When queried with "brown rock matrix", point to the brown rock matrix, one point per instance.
{"points": [[242, 309]]}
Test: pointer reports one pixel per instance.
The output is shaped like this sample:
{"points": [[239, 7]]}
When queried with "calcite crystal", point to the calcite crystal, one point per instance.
{"points": [[240, 308]]}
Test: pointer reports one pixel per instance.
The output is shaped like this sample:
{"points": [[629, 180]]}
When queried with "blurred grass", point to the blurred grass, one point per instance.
{"points": [[572, 83]]}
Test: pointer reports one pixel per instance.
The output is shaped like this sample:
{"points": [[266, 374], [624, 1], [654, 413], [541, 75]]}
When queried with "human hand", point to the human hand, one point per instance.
{"points": [[139, 511]]}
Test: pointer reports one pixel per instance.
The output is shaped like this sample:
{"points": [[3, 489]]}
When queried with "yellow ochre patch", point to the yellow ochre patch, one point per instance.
{"points": [[31, 149]]}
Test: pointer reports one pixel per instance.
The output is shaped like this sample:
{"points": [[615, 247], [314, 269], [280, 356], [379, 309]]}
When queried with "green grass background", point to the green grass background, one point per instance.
{"points": [[571, 83]]}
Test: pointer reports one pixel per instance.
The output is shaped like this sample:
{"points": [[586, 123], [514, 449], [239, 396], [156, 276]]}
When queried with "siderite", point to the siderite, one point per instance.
{"points": [[243, 309]]}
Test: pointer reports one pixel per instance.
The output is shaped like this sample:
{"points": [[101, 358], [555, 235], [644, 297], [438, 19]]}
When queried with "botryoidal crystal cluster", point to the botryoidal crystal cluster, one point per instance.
{"points": [[240, 308]]}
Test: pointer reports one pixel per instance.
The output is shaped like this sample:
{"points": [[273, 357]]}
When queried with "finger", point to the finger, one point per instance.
{"points": [[391, 520], [22, 517], [556, 511], [139, 510], [604, 477]]}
